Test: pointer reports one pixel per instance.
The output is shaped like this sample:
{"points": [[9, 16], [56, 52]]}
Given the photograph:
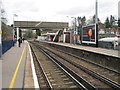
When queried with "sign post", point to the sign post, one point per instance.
{"points": [[96, 22], [90, 33]]}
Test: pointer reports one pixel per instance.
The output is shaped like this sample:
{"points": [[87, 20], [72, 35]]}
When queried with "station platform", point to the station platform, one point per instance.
{"points": [[105, 57], [109, 52], [17, 67]]}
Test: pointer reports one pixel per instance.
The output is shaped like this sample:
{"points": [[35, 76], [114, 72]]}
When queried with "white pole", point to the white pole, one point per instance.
{"points": [[75, 32], [96, 12], [17, 36], [0, 32], [64, 36]]}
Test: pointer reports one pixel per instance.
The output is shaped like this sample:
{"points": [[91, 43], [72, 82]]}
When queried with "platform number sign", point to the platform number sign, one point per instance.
{"points": [[89, 34]]}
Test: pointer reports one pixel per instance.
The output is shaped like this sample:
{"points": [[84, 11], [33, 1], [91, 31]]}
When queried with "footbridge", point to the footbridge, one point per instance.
{"points": [[40, 25]]}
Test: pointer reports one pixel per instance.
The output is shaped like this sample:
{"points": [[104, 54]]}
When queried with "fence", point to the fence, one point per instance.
{"points": [[6, 45], [7, 37]]}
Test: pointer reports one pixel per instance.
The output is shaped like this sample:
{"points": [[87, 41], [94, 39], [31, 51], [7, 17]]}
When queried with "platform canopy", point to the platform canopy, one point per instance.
{"points": [[40, 25]]}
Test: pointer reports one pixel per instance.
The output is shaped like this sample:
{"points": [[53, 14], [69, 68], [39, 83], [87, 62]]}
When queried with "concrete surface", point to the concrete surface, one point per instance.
{"points": [[28, 83], [9, 64]]}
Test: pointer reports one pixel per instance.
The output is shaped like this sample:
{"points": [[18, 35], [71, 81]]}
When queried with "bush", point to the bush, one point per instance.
{"points": [[105, 35]]}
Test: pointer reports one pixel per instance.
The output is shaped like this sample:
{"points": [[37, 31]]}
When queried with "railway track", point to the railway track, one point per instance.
{"points": [[42, 79], [53, 75], [110, 82], [105, 72]]}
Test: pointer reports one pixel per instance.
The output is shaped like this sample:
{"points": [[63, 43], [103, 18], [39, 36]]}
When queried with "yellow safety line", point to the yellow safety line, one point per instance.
{"points": [[16, 71]]}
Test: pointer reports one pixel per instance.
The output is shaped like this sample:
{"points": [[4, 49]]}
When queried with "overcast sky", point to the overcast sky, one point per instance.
{"points": [[57, 10]]}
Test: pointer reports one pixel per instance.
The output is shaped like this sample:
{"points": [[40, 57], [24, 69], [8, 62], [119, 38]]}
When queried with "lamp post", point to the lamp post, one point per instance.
{"points": [[14, 15], [75, 30], [68, 21], [75, 23]]}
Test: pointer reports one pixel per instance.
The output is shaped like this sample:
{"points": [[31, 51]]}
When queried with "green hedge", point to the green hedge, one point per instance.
{"points": [[105, 35]]}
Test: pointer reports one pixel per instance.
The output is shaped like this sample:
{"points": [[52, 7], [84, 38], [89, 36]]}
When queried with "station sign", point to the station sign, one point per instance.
{"points": [[89, 34]]}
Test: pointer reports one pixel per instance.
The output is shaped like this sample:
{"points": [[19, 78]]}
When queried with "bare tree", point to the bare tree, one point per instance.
{"points": [[91, 20], [3, 15], [81, 21]]}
